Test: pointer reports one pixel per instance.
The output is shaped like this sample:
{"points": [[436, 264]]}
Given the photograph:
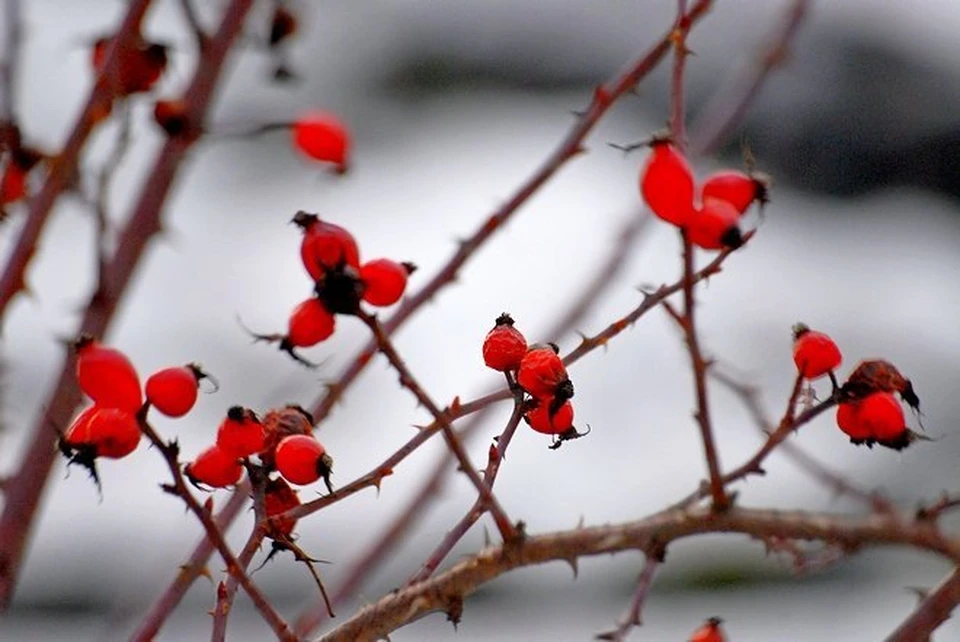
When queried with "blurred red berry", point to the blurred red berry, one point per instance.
{"points": [[666, 184], [240, 433], [321, 136], [384, 281], [13, 185], [540, 419], [325, 246], [881, 416], [814, 353], [309, 324], [848, 420], [107, 376], [173, 391], [543, 375], [278, 499], [302, 460], [736, 188], [504, 346], [709, 632], [214, 467], [714, 226]]}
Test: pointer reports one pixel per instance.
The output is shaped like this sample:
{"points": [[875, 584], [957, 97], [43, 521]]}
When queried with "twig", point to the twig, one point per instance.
{"points": [[10, 64], [455, 534], [196, 27], [726, 108], [936, 510], [64, 166], [633, 618], [933, 611], [507, 530], [171, 452], [678, 38], [447, 591], [31, 477]]}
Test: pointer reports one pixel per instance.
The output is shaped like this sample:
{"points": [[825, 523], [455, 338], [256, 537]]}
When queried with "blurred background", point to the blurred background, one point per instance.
{"points": [[452, 106]]}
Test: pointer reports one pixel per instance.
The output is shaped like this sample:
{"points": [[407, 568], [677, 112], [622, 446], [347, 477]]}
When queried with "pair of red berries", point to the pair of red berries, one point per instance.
{"points": [[868, 413], [711, 219], [540, 372], [283, 441], [110, 427], [332, 259]]}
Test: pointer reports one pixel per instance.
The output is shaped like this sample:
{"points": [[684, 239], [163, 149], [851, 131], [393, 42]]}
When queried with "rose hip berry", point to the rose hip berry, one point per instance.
{"points": [[302, 460], [280, 423], [107, 376], [848, 420], [709, 632], [879, 375], [321, 136], [309, 324], [541, 420], [214, 467], [543, 375], [815, 353], [666, 184], [881, 416], [110, 432], [240, 433], [736, 188], [173, 391], [325, 246], [384, 281], [504, 345], [278, 499], [715, 226]]}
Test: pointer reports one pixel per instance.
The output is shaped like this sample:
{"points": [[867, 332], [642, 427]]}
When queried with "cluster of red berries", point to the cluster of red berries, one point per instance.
{"points": [[282, 440], [710, 219], [110, 426], [332, 259], [868, 412], [538, 371]]}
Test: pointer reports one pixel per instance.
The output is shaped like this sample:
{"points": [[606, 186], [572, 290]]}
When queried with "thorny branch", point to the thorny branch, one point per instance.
{"points": [[633, 617]]}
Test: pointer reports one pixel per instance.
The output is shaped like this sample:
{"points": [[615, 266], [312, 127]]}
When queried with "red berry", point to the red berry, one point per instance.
{"points": [[240, 433], [542, 374], [714, 226], [504, 346], [309, 324], [384, 281], [140, 64], [540, 420], [107, 376], [13, 185], [709, 632], [322, 137], [279, 498], [666, 184], [815, 353], [280, 423], [301, 459], [877, 374], [848, 419], [881, 416], [734, 187], [215, 468], [113, 433], [173, 391], [325, 246]]}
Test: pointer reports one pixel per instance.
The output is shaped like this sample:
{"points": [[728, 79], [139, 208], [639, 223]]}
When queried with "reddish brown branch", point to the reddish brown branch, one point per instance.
{"points": [[30, 480], [933, 611], [448, 590], [633, 617]]}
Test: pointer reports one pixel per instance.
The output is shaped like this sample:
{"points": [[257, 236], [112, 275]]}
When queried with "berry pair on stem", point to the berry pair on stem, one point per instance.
{"points": [[331, 257], [710, 219], [867, 413], [538, 371]]}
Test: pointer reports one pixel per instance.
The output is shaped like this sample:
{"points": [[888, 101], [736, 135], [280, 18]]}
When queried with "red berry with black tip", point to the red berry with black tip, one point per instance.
{"points": [[240, 433], [384, 281], [301, 459], [814, 353], [542, 420], [715, 226], [543, 375], [214, 467], [173, 391], [736, 188], [667, 184], [325, 246], [110, 432], [504, 346]]}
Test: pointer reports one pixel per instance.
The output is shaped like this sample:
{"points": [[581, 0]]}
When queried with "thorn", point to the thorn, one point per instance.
{"points": [[574, 565]]}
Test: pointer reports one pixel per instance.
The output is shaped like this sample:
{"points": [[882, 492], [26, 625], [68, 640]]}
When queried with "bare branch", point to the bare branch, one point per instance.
{"points": [[933, 611], [633, 618]]}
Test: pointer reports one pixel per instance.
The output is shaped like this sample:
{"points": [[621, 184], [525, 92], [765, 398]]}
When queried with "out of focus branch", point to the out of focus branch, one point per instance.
{"points": [[933, 611]]}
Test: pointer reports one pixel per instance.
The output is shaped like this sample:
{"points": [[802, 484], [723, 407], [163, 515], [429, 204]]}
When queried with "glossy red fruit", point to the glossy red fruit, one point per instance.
{"points": [[325, 246], [543, 375], [848, 420], [709, 632], [540, 420], [173, 391], [13, 185], [240, 433], [715, 226], [504, 346], [214, 467], [321, 136], [279, 498], [302, 460], [667, 185], [309, 324], [736, 188], [107, 376], [881, 416], [814, 353], [113, 433], [384, 281]]}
